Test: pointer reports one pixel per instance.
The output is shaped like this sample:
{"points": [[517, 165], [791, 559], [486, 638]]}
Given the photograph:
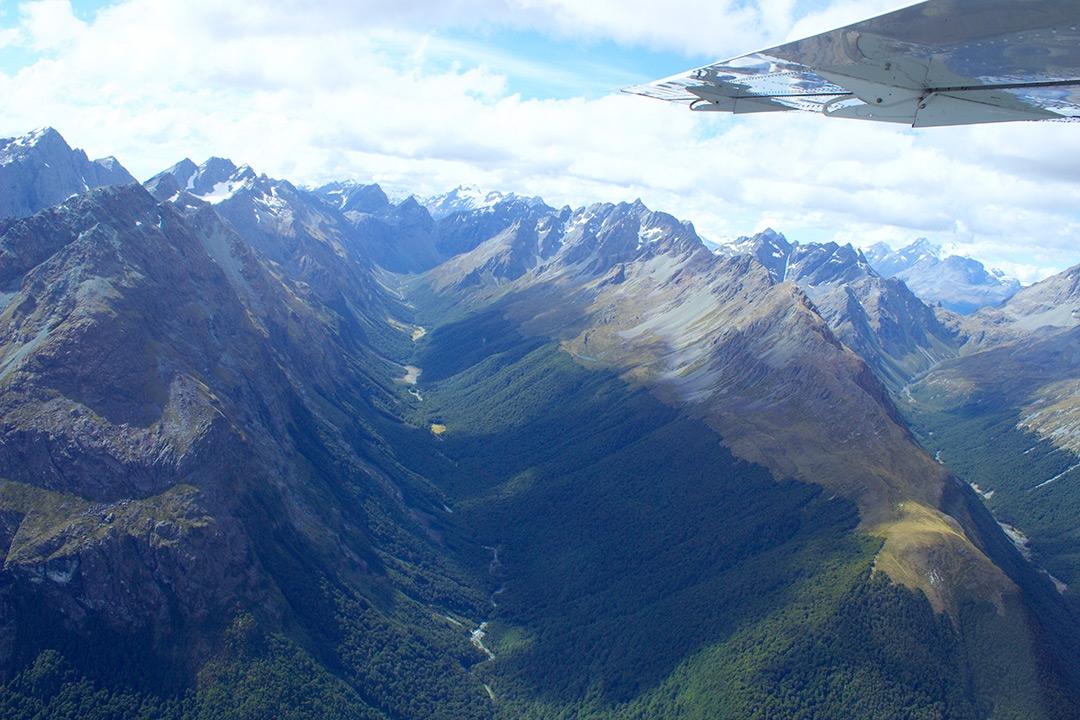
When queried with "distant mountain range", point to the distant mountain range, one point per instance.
{"points": [[269, 450], [877, 317], [468, 199], [958, 283]]}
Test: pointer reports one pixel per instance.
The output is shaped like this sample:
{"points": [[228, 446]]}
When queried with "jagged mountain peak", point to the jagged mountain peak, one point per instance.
{"points": [[40, 169], [588, 242], [922, 247], [768, 236], [352, 196], [410, 204], [877, 250], [469, 198], [888, 261], [771, 248], [809, 265], [211, 172], [40, 139], [817, 264], [894, 332], [213, 181], [624, 232], [961, 284]]}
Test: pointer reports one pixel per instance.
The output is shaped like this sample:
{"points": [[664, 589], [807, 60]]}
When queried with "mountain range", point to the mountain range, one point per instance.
{"points": [[39, 170], [958, 283], [311, 452]]}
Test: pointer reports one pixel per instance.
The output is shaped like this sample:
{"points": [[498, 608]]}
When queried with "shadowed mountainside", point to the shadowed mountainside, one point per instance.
{"points": [[40, 170], [268, 450]]}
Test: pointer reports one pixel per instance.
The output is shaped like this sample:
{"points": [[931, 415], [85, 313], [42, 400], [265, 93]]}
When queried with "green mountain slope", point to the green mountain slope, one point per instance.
{"points": [[584, 468], [191, 451], [1003, 416], [638, 569]]}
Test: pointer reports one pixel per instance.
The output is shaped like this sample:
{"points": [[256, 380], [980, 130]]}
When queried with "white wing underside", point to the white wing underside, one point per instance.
{"points": [[941, 62]]}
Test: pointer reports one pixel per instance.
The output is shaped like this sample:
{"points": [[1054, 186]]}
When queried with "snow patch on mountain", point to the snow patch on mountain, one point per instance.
{"points": [[467, 198], [961, 284], [39, 170], [214, 181], [16, 148]]}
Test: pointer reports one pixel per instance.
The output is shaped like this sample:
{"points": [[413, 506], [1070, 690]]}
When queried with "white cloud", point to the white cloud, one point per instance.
{"points": [[718, 28], [49, 24], [9, 37], [839, 14], [374, 91]]}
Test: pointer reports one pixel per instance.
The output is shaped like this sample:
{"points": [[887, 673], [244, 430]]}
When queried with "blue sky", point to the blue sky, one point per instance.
{"points": [[521, 96], [537, 64]]}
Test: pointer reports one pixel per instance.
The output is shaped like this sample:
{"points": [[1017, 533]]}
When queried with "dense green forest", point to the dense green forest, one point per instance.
{"points": [[638, 569], [1026, 481], [595, 554]]}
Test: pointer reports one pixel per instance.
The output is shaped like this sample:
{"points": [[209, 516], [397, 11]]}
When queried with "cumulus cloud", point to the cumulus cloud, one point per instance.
{"points": [[379, 91], [9, 37], [48, 24]]}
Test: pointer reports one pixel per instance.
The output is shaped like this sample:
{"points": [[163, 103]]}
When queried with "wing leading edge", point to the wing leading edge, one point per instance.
{"points": [[941, 62]]}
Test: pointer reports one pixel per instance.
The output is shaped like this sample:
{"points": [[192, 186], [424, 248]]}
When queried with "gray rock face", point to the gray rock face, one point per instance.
{"points": [[162, 403], [958, 283], [353, 196], [879, 318], [39, 170], [114, 450], [809, 265], [467, 199]]}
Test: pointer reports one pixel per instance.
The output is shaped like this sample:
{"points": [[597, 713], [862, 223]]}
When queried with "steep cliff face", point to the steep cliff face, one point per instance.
{"points": [[40, 169], [637, 292], [584, 466], [879, 318], [121, 437], [186, 436]]}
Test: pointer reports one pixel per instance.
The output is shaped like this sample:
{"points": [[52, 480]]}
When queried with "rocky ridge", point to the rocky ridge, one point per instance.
{"points": [[202, 388], [637, 291], [958, 283], [895, 332], [40, 169]]}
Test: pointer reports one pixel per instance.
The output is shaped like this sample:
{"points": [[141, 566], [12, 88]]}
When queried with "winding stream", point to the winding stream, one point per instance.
{"points": [[477, 635]]}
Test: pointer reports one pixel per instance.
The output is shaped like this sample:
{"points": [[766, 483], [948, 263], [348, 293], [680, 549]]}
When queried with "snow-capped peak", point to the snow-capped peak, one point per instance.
{"points": [[468, 198], [12, 149], [922, 248], [959, 282], [769, 237]]}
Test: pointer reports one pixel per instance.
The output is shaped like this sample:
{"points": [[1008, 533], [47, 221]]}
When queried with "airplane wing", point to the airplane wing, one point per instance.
{"points": [[941, 62]]}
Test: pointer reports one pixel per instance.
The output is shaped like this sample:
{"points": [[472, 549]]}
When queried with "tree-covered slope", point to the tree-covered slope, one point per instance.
{"points": [[195, 491], [638, 569], [583, 468]]}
